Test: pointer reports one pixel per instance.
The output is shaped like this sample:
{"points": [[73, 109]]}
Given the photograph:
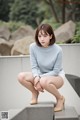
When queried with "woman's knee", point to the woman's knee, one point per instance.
{"points": [[43, 82], [21, 77]]}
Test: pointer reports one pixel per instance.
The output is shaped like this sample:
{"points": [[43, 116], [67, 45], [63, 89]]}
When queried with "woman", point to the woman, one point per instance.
{"points": [[47, 70]]}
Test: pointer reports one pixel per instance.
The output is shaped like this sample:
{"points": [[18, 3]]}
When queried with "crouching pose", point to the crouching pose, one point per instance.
{"points": [[47, 70]]}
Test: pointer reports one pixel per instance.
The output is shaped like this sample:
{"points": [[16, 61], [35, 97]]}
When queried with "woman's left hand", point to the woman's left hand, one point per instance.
{"points": [[38, 87]]}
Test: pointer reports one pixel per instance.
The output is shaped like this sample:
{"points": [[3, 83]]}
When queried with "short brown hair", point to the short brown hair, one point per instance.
{"points": [[47, 29]]}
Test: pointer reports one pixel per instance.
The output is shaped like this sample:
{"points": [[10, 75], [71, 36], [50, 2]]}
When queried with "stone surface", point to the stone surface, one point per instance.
{"points": [[5, 47], [75, 82], [5, 32], [22, 46], [65, 32], [40, 111], [22, 32], [69, 113]]}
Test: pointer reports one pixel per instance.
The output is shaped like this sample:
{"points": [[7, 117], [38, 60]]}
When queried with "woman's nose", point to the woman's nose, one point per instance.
{"points": [[42, 38]]}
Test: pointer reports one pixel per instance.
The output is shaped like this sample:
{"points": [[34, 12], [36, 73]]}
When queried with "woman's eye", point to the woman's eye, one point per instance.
{"points": [[42, 36], [39, 35], [45, 35]]}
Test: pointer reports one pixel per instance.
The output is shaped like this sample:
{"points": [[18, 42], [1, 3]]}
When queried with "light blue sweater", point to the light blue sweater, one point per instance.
{"points": [[46, 61]]}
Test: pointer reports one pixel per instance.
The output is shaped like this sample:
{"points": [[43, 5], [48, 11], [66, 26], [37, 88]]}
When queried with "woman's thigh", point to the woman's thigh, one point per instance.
{"points": [[27, 76], [57, 81]]}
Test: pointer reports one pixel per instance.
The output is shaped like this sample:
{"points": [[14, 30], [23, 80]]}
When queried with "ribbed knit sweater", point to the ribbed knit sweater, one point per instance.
{"points": [[46, 61]]}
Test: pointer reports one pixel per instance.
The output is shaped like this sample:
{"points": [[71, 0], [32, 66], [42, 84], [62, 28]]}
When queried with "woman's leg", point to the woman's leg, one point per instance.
{"points": [[52, 84], [26, 79]]}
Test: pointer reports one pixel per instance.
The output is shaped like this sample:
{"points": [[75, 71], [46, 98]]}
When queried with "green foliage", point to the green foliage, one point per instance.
{"points": [[12, 25], [52, 22], [44, 11], [25, 11], [76, 38], [4, 10]]}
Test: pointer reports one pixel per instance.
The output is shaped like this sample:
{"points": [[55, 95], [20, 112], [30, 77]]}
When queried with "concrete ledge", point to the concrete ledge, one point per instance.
{"points": [[69, 113], [40, 111], [43, 111]]}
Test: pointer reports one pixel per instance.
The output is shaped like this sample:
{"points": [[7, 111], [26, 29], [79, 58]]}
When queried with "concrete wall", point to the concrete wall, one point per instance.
{"points": [[15, 96], [71, 58]]}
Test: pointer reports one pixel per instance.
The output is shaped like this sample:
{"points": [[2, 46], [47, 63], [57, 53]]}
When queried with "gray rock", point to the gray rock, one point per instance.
{"points": [[65, 32], [5, 32], [22, 32], [21, 46], [5, 47]]}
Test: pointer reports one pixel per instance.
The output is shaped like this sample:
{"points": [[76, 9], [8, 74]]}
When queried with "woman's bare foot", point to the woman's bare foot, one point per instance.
{"points": [[60, 104], [34, 99]]}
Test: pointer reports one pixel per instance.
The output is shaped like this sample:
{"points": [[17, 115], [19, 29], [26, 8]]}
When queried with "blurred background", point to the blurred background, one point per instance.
{"points": [[18, 22], [19, 19]]}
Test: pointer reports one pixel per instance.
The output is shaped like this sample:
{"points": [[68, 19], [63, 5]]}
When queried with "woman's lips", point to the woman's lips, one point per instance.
{"points": [[42, 42]]}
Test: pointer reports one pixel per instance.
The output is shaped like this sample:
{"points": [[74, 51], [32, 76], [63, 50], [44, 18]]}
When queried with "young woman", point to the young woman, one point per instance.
{"points": [[47, 70]]}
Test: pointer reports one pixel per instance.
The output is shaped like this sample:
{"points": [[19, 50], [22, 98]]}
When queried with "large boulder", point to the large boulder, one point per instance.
{"points": [[5, 32], [65, 32], [5, 47], [21, 46], [22, 32]]}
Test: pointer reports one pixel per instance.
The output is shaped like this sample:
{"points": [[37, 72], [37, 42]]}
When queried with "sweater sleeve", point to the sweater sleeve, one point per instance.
{"points": [[57, 66], [33, 60]]}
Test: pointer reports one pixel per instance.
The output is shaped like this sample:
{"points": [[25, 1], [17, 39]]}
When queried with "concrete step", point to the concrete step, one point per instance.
{"points": [[69, 113], [40, 111], [43, 111]]}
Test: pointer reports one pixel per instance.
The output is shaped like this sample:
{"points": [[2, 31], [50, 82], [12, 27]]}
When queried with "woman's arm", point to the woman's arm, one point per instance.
{"points": [[33, 60]]}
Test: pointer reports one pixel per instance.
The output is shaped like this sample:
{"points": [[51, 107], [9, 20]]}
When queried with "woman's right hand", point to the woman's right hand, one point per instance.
{"points": [[36, 80], [37, 84]]}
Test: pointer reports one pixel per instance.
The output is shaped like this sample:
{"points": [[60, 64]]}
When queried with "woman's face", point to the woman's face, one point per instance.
{"points": [[44, 38]]}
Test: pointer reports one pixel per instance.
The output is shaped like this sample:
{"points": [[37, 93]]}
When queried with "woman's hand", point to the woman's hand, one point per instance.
{"points": [[36, 80], [38, 87], [37, 84]]}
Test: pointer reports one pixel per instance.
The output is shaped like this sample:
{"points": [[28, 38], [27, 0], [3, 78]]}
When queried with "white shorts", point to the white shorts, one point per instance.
{"points": [[62, 74]]}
